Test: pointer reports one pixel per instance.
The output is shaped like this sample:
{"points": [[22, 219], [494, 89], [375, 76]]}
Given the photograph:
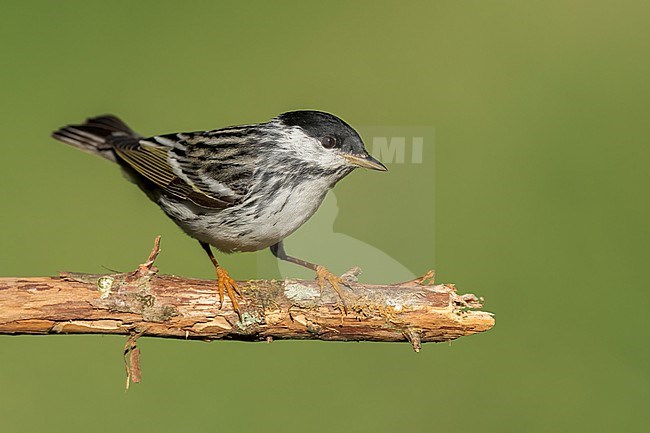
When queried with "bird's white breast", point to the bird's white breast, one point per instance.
{"points": [[248, 228]]}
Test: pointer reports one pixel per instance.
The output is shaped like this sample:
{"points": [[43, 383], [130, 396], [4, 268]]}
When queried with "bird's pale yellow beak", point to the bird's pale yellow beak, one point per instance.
{"points": [[366, 161]]}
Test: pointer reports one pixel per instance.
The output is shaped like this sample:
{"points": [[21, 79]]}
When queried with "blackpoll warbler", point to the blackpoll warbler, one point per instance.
{"points": [[240, 188]]}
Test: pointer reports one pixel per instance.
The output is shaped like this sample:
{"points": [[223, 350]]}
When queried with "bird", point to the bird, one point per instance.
{"points": [[238, 188]]}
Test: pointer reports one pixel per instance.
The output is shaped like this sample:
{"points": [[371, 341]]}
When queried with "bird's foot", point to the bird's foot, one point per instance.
{"points": [[227, 284], [324, 275]]}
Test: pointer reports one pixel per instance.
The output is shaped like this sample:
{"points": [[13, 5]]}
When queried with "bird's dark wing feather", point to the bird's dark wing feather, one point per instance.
{"points": [[197, 167]]}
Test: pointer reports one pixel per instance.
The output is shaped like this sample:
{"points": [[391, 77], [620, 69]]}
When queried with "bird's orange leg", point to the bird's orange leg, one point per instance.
{"points": [[224, 281], [323, 275]]}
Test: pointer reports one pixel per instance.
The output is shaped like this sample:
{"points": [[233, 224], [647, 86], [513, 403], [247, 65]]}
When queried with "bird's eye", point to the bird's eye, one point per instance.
{"points": [[328, 141]]}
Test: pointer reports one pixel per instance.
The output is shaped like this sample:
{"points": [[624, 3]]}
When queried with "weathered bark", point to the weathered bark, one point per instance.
{"points": [[144, 303]]}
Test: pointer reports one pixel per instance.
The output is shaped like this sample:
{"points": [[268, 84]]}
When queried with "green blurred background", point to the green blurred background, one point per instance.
{"points": [[534, 195]]}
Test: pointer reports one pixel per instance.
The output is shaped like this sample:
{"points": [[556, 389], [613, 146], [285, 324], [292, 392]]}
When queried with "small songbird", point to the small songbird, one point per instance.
{"points": [[239, 188]]}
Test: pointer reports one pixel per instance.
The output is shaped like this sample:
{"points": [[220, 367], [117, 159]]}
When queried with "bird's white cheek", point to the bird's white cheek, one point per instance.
{"points": [[309, 149]]}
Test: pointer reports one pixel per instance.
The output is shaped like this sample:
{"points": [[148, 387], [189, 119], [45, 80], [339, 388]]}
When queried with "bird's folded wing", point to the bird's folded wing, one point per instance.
{"points": [[154, 159]]}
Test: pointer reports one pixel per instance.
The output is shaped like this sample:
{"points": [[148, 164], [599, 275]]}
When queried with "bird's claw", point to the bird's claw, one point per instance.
{"points": [[324, 275], [227, 284]]}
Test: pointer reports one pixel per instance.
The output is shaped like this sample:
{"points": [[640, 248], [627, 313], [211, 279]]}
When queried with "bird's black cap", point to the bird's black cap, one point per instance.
{"points": [[319, 124]]}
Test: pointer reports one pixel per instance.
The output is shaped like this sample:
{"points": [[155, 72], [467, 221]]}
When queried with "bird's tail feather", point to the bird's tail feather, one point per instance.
{"points": [[96, 135]]}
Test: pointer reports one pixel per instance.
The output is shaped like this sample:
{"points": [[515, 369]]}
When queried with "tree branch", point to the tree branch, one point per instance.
{"points": [[144, 303]]}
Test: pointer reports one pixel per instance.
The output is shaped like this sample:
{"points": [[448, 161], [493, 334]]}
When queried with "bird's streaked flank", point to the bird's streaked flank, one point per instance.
{"points": [[239, 188]]}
